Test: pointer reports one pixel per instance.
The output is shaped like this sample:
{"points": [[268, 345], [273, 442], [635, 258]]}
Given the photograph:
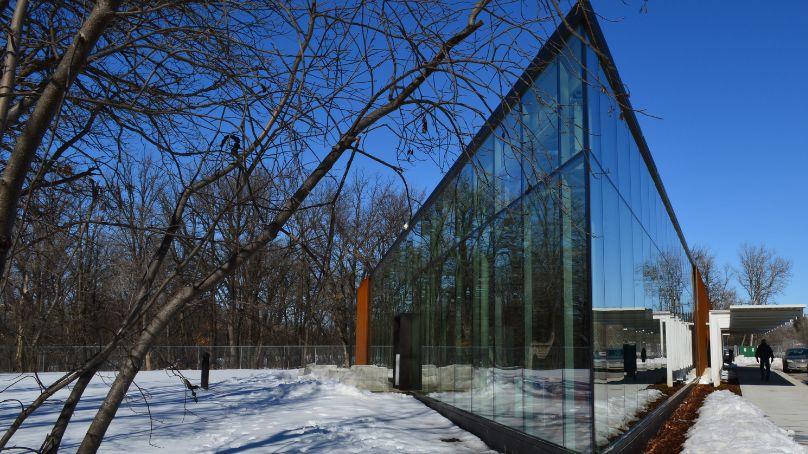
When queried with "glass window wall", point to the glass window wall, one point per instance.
{"points": [[542, 273]]}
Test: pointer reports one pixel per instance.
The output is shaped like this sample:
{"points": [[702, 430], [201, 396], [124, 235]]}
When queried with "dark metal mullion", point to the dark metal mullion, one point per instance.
{"points": [[588, 243]]}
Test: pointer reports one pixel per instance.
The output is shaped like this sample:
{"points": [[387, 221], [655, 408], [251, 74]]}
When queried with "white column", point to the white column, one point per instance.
{"points": [[670, 349], [718, 320]]}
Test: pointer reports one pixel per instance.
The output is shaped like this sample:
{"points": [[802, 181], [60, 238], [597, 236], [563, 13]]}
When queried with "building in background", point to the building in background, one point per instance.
{"points": [[545, 287]]}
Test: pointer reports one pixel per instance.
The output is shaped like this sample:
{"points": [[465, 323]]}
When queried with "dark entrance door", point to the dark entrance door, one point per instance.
{"points": [[407, 352]]}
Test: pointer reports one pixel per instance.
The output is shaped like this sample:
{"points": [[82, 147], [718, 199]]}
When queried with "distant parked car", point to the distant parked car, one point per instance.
{"points": [[796, 359]]}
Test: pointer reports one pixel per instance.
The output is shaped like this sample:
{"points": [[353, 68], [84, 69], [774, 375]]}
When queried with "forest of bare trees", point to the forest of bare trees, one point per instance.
{"points": [[70, 285]]}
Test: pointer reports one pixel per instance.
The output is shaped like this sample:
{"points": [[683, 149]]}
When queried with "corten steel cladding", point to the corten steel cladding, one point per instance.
{"points": [[363, 322], [700, 329]]}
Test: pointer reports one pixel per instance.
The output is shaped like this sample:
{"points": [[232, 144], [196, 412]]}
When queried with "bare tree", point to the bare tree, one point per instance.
{"points": [[763, 273], [717, 281], [45, 108]]}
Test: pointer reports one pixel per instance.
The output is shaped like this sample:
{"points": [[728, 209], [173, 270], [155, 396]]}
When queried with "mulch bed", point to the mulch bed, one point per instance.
{"points": [[672, 435]]}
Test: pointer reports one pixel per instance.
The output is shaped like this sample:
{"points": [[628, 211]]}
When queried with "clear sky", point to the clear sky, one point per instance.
{"points": [[729, 80]]}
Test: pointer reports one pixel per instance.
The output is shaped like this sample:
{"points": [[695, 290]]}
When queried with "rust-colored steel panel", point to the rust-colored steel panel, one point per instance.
{"points": [[701, 331], [363, 322]]}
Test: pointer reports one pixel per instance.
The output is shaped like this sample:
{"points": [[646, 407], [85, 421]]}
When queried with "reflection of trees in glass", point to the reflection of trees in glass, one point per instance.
{"points": [[665, 279], [540, 127], [544, 282]]}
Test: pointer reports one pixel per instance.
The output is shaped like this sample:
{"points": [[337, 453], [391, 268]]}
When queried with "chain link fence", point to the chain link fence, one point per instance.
{"points": [[65, 358]]}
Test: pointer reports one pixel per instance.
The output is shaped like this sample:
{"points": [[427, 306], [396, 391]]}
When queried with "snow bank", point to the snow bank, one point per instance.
{"points": [[745, 361], [729, 423], [370, 378], [244, 410], [705, 377]]}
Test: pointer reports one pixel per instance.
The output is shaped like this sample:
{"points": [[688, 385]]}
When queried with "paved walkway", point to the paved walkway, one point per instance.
{"points": [[783, 399]]}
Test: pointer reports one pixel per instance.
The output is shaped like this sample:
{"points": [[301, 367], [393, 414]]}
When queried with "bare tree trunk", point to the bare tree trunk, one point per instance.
{"points": [[42, 117], [260, 341], [231, 343], [54, 439], [231, 328], [149, 353], [19, 351], [10, 63], [346, 361], [128, 370]]}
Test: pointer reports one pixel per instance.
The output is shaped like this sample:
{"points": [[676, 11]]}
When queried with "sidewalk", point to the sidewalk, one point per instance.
{"points": [[783, 399]]}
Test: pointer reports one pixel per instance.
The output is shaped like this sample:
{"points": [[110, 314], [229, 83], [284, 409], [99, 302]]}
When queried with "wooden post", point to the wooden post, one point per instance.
{"points": [[205, 367], [701, 333], [363, 323]]}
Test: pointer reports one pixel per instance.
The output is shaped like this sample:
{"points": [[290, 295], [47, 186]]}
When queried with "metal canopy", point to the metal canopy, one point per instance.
{"points": [[747, 319], [630, 317]]}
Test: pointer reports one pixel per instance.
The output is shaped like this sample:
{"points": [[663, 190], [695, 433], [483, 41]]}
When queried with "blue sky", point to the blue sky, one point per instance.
{"points": [[729, 81]]}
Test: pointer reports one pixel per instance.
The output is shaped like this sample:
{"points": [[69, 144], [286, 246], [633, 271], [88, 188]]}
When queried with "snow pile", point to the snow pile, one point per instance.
{"points": [[705, 377], [244, 410], [729, 423], [370, 378], [747, 361]]}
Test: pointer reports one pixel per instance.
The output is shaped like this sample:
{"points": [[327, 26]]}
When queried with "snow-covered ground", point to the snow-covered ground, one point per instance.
{"points": [[244, 410], [728, 423]]}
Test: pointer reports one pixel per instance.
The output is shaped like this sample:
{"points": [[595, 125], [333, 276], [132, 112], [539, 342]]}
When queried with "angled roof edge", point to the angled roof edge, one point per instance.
{"points": [[581, 13]]}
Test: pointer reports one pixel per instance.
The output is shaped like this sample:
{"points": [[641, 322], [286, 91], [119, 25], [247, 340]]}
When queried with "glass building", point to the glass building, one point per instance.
{"points": [[546, 282]]}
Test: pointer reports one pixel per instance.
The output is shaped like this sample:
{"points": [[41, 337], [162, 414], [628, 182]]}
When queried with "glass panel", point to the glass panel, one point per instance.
{"points": [[540, 126], [483, 166], [463, 330], [464, 202], [482, 391], [570, 98], [577, 359], [508, 318], [609, 122], [544, 315], [508, 160]]}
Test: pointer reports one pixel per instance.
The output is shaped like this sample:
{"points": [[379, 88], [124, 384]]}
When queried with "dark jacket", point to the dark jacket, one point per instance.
{"points": [[764, 352]]}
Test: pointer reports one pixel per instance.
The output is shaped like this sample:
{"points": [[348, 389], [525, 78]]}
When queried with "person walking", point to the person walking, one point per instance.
{"points": [[765, 356]]}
